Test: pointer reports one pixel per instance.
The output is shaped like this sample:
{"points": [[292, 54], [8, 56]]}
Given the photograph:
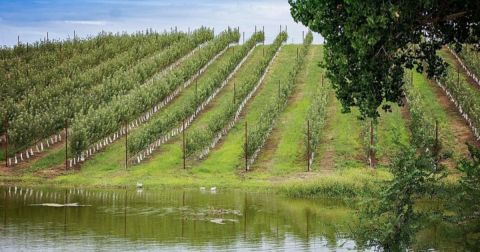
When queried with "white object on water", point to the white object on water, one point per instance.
{"points": [[213, 189], [202, 188], [139, 185]]}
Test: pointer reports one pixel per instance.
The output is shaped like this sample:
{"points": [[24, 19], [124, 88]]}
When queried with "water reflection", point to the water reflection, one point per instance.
{"points": [[172, 220]]}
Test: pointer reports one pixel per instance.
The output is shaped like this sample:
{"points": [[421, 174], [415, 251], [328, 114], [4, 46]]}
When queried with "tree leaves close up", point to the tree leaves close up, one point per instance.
{"points": [[370, 43]]}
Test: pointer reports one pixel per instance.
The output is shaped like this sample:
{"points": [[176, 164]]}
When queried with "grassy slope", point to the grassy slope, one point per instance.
{"points": [[113, 156], [285, 148], [226, 159], [426, 89]]}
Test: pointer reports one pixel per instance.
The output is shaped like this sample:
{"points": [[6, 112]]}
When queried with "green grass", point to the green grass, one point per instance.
{"points": [[347, 183], [342, 136], [287, 138], [227, 156], [391, 125], [435, 109]]}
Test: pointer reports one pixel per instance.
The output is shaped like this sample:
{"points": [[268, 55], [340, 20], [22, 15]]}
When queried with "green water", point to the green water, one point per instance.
{"points": [[176, 220]]}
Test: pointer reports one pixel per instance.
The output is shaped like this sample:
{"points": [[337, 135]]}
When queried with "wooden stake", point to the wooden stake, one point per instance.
{"points": [[458, 76], [18, 40], [234, 92], [303, 36], [308, 145], [436, 140], [183, 145], [47, 36], [126, 145], [66, 144], [243, 42], [372, 154], [246, 145], [6, 141]]}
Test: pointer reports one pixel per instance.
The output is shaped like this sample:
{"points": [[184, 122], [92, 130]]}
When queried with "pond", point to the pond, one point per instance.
{"points": [[181, 219]]}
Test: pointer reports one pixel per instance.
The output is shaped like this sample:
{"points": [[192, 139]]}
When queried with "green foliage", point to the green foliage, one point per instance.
{"points": [[467, 96], [471, 58], [44, 112], [258, 133], [470, 182], [160, 126], [389, 221], [369, 43], [201, 138], [422, 123], [317, 115], [109, 117]]}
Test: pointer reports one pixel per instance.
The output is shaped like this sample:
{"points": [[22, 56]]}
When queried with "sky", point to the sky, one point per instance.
{"points": [[32, 19]]}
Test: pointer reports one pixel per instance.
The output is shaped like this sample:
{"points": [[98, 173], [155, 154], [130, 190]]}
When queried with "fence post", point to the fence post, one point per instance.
{"points": [[458, 76], [126, 145], [308, 145], [234, 92], [303, 36], [246, 145], [183, 144], [437, 147], [66, 144], [372, 154], [6, 141]]}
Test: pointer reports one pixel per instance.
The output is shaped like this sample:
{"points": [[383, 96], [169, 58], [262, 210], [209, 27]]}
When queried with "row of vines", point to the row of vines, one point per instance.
{"points": [[44, 112], [258, 134], [109, 117], [162, 124], [200, 139], [316, 119]]}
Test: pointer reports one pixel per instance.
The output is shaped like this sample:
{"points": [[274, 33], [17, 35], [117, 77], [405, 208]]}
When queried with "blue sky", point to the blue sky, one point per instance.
{"points": [[32, 19]]}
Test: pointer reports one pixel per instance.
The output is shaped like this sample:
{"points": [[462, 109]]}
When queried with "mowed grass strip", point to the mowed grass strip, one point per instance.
{"points": [[169, 161], [284, 150], [111, 160], [392, 126], [341, 143], [227, 157], [432, 103]]}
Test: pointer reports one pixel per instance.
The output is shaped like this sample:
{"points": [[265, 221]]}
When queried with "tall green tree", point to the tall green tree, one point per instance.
{"points": [[370, 42]]}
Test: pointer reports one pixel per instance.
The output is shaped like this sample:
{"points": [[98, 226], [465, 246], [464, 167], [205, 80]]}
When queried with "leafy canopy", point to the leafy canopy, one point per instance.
{"points": [[369, 42]]}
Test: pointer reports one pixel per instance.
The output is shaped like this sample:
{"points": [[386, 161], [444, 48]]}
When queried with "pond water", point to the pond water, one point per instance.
{"points": [[177, 219]]}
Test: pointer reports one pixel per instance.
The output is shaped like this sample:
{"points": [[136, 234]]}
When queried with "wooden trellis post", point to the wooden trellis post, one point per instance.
{"points": [[6, 141], [246, 145], [234, 92], [372, 153], [183, 144], [308, 145], [126, 145], [458, 76], [66, 144]]}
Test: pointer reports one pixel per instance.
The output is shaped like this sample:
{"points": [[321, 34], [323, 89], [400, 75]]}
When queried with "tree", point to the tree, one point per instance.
{"points": [[369, 43]]}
